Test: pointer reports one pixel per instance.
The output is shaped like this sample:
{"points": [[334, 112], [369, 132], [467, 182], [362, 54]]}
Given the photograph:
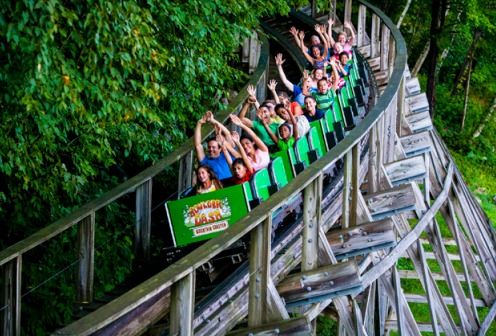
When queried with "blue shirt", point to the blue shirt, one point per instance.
{"points": [[219, 165]]}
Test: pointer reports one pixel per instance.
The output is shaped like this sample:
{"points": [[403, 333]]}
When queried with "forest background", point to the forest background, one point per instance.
{"points": [[93, 92]]}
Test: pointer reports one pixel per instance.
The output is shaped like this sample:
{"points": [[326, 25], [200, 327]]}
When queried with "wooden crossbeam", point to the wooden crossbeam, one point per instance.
{"points": [[362, 239], [297, 327], [386, 203]]}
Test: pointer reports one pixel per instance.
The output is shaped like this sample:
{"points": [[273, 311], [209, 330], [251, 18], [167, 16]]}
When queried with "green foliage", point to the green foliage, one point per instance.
{"points": [[326, 326], [92, 93]]}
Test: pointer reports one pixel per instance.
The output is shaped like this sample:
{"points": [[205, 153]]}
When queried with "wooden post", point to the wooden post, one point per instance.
{"points": [[355, 185], [253, 60], [143, 220], [428, 288], [400, 106], [86, 248], [345, 214], [259, 265], [332, 10], [463, 261], [372, 180], [12, 297], [314, 8], [185, 172], [347, 11], [375, 36], [385, 48], [312, 198], [182, 305], [362, 20], [398, 303]]}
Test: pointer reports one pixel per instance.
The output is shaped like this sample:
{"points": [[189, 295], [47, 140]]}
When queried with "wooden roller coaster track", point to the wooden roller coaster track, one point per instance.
{"points": [[399, 192]]}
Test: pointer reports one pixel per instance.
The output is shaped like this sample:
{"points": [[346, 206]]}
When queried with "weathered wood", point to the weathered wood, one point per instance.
{"points": [[417, 103], [345, 217], [384, 47], [297, 326], [358, 319], [398, 302], [419, 122], [143, 220], [86, 269], [416, 144], [375, 36], [416, 298], [347, 11], [182, 306], [385, 203], [372, 179], [259, 262], [362, 20], [370, 305], [428, 287], [322, 283], [412, 86], [456, 231], [427, 189], [406, 170], [362, 239], [355, 185], [490, 317], [407, 274], [185, 172], [11, 304], [276, 308], [409, 321], [312, 200]]}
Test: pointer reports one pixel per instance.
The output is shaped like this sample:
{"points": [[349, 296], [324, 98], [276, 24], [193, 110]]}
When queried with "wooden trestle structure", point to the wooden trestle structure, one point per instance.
{"points": [[399, 183]]}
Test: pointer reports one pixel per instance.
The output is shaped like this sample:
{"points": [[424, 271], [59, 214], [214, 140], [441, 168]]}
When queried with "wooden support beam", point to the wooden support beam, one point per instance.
{"points": [[373, 171], [276, 308], [182, 306], [490, 317], [375, 36], [86, 252], [185, 172], [355, 185], [345, 213], [312, 199], [11, 304], [295, 327], [348, 6], [398, 301], [259, 264], [361, 25], [370, 309], [428, 287], [143, 220], [461, 251]]}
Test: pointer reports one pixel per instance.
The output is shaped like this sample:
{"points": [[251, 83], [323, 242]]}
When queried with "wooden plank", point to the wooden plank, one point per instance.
{"points": [[417, 103], [86, 269], [412, 86], [312, 200], [143, 220], [385, 203], [361, 239], [327, 281], [259, 268], [296, 326], [416, 298], [345, 217], [370, 305], [362, 20], [419, 122], [185, 172], [456, 232], [373, 171], [406, 170], [347, 11], [385, 34], [11, 304], [423, 327], [428, 288], [490, 317], [375, 36], [398, 301], [182, 306], [355, 185], [276, 309], [407, 274]]}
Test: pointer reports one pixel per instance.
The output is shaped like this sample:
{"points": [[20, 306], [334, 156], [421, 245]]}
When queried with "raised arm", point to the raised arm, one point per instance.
{"points": [[295, 126], [200, 153], [272, 88], [329, 32], [252, 92], [352, 33], [302, 47], [244, 110], [335, 84], [242, 152], [220, 126], [260, 144], [269, 131], [279, 62], [320, 30], [295, 32]]}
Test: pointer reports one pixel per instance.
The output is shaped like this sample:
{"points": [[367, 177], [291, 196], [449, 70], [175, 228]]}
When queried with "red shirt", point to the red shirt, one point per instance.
{"points": [[244, 179]]}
